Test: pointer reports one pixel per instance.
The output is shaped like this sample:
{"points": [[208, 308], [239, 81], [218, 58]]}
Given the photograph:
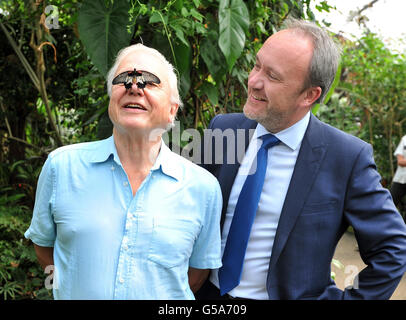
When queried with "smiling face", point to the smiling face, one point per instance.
{"points": [[277, 95], [140, 111]]}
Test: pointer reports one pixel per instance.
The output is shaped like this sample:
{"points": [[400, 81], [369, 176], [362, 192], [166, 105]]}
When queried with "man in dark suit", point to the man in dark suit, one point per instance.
{"points": [[316, 182]]}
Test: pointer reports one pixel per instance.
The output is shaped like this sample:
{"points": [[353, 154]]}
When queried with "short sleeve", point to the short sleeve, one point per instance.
{"points": [[400, 147], [207, 248], [42, 229]]}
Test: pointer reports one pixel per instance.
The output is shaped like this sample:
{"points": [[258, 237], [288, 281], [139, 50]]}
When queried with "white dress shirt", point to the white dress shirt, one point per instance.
{"points": [[281, 162]]}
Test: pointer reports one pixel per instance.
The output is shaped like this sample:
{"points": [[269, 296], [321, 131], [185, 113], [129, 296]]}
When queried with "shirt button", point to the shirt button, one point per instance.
{"points": [[125, 247], [121, 280], [113, 168], [125, 183]]}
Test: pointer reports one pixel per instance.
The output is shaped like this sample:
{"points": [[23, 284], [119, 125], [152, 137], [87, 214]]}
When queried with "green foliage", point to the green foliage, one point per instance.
{"points": [[20, 275], [371, 98], [375, 82], [26, 173], [103, 30], [233, 25], [342, 114]]}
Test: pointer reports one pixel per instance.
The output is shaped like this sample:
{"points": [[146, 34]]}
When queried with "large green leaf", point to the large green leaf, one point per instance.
{"points": [[213, 57], [183, 56], [103, 30], [233, 24], [184, 64]]}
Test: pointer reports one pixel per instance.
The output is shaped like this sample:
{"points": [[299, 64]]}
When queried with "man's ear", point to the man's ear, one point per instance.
{"points": [[173, 111], [311, 95]]}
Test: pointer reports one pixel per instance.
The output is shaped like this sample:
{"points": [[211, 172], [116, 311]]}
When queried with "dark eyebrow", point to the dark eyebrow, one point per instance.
{"points": [[257, 59]]}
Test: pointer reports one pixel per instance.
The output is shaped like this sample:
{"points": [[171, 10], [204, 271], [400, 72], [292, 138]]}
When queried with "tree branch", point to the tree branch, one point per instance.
{"points": [[367, 6], [10, 134], [32, 146]]}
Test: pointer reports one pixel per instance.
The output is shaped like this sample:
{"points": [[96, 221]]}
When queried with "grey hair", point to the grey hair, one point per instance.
{"points": [[173, 80], [326, 55]]}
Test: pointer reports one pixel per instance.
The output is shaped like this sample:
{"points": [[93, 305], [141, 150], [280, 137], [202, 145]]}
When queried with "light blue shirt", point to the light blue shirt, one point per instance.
{"points": [[109, 244], [281, 163]]}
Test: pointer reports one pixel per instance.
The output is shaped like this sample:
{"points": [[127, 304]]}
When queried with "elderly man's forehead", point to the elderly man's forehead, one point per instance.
{"points": [[143, 61]]}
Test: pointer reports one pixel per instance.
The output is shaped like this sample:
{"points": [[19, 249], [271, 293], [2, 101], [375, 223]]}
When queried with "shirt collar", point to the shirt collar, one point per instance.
{"points": [[166, 161], [292, 136], [104, 150]]}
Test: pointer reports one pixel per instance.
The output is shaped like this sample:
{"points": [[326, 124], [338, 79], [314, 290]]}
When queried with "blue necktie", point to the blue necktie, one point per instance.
{"points": [[244, 214]]}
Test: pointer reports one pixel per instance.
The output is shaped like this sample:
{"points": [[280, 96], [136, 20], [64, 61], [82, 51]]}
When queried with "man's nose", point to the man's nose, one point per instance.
{"points": [[255, 80], [134, 89]]}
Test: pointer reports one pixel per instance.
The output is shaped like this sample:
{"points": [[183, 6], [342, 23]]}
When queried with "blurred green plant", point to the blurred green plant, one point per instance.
{"points": [[374, 81], [20, 275], [341, 113]]}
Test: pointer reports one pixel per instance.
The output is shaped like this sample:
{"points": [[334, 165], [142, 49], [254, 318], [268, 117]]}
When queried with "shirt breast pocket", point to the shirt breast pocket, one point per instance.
{"points": [[172, 240]]}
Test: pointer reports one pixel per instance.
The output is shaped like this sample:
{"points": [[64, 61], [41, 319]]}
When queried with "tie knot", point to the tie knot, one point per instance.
{"points": [[269, 140]]}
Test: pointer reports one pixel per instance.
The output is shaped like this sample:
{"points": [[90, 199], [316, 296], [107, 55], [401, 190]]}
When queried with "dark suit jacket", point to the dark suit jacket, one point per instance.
{"points": [[334, 184]]}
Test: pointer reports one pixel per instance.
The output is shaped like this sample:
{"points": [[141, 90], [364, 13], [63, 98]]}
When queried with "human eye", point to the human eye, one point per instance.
{"points": [[272, 76], [150, 80], [152, 84]]}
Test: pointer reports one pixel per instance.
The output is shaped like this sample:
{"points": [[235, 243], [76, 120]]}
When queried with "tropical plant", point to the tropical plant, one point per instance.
{"points": [[20, 274], [375, 82]]}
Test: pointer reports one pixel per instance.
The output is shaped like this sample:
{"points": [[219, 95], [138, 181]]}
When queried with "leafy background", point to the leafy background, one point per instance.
{"points": [[53, 92]]}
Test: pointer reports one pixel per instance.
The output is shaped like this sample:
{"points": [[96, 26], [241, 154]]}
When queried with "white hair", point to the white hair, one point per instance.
{"points": [[173, 80]]}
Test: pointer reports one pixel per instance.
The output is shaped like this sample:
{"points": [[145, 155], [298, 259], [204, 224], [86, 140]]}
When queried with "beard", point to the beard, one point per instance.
{"points": [[272, 119]]}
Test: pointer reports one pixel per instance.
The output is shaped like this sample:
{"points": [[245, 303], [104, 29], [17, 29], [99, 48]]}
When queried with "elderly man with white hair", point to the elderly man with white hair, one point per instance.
{"points": [[124, 217]]}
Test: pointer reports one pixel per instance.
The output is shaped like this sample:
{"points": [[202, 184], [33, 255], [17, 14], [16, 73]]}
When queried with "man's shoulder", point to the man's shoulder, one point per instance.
{"points": [[78, 149], [232, 120], [335, 136]]}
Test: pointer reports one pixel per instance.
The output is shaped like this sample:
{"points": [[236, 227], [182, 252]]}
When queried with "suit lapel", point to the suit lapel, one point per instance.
{"points": [[311, 154]]}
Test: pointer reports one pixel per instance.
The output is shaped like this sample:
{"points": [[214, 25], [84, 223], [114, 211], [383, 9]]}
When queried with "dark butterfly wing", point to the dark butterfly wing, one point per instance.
{"points": [[121, 78], [150, 78], [142, 78]]}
